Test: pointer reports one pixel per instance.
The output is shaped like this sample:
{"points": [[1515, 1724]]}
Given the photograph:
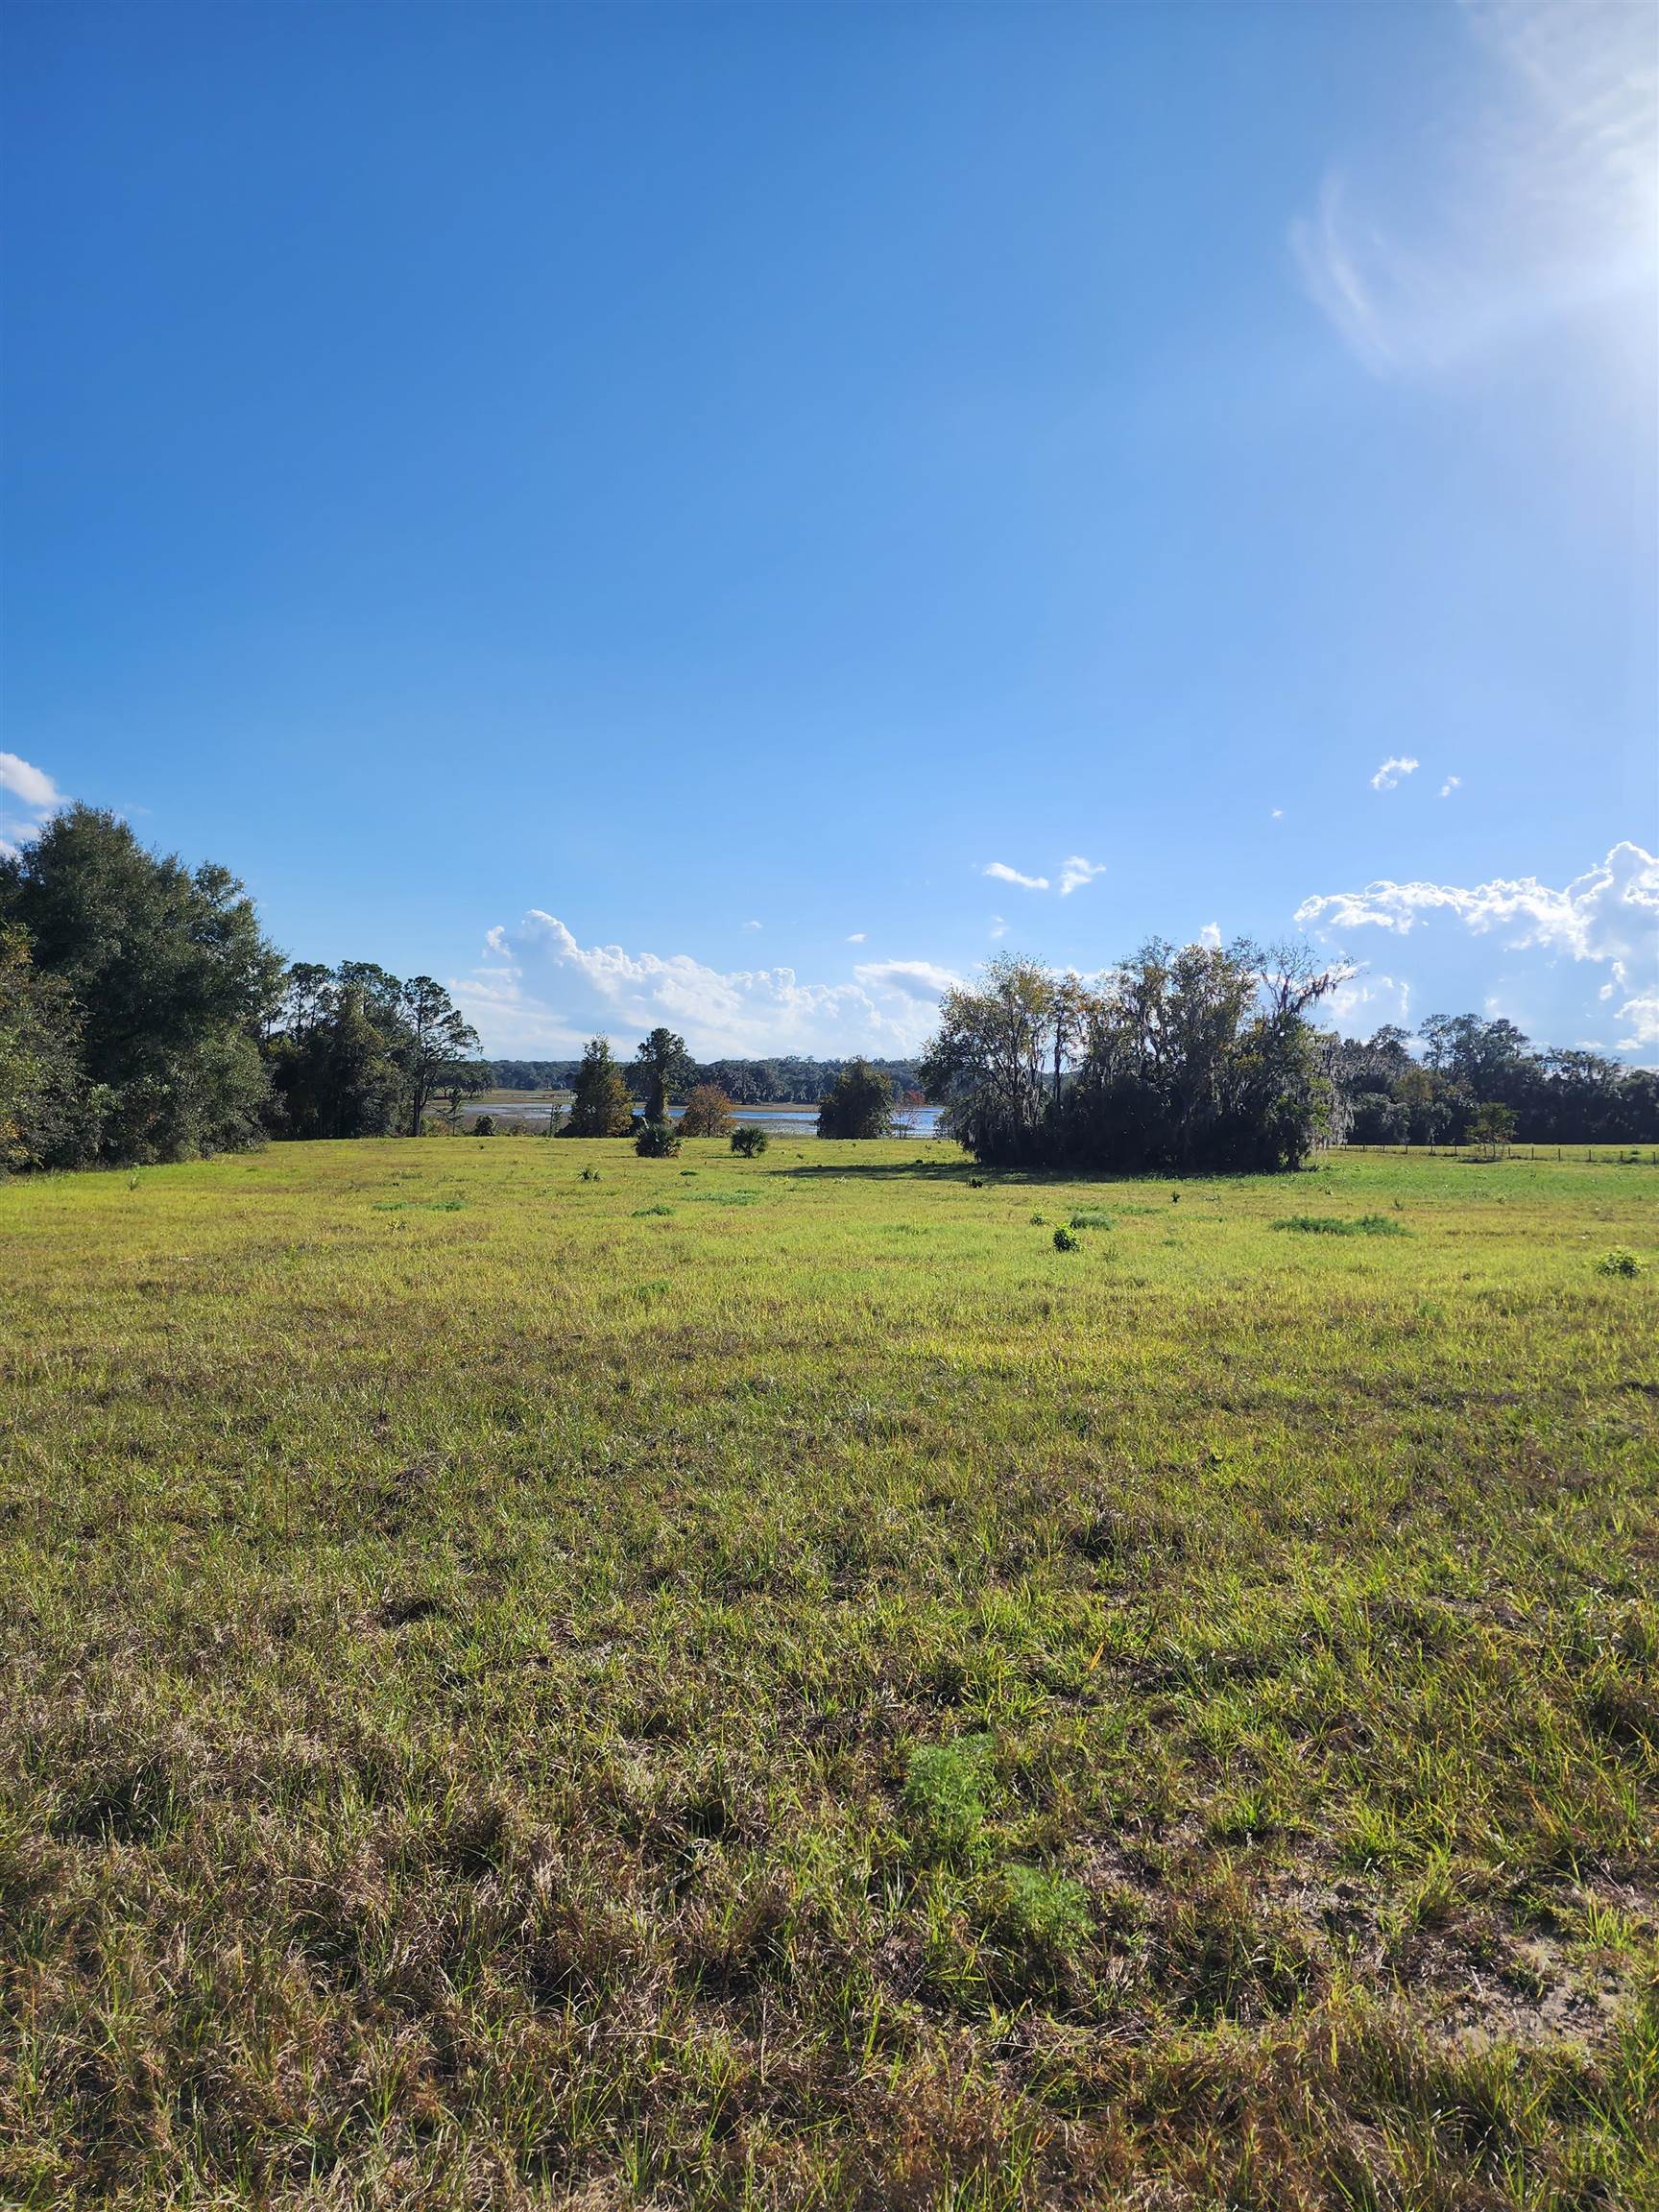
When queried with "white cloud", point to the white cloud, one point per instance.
{"points": [[538, 986], [30, 799], [751, 924], [1611, 912], [1075, 872], [913, 979], [1365, 1003], [1003, 874], [1396, 765], [857, 937], [998, 928], [1211, 935], [1450, 785], [1608, 917], [1531, 201], [1277, 815]]}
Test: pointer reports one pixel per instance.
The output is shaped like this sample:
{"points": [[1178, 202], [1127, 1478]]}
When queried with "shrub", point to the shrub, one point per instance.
{"points": [[1043, 1912], [707, 1113], [749, 1143], [945, 1787], [657, 1141], [1619, 1260], [1090, 1217], [1333, 1225], [1065, 1241], [484, 1125]]}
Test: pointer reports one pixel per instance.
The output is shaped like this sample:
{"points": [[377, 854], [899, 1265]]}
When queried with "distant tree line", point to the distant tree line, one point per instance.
{"points": [[1385, 1093], [790, 1081], [144, 1016]]}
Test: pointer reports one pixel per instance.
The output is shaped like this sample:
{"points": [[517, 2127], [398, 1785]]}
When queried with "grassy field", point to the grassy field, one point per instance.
{"points": [[533, 1676]]}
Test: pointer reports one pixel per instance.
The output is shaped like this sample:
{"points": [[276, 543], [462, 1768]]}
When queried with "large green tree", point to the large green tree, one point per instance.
{"points": [[440, 1039], [48, 1111], [171, 973], [662, 1066], [601, 1106], [859, 1103]]}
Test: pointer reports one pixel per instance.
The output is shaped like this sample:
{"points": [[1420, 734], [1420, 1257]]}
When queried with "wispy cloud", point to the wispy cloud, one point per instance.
{"points": [[1532, 203], [998, 928], [1451, 784], [1075, 872], [751, 924], [28, 800], [857, 937], [1277, 815], [538, 985], [1396, 765]]}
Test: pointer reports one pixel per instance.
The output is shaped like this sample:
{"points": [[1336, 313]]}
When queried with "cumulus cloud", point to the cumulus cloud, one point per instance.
{"points": [[28, 800], [1396, 765], [1611, 912], [1211, 935], [1277, 815], [1003, 874], [1075, 872], [1531, 201], [1608, 918], [1450, 785], [539, 986]]}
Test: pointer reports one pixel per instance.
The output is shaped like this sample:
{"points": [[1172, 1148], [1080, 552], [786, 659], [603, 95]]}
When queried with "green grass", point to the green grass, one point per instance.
{"points": [[515, 1697]]}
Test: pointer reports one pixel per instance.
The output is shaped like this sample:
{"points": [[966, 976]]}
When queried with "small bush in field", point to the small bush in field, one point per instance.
{"points": [[484, 1125], [1043, 1912], [1065, 1241], [1090, 1217], [749, 1143], [1619, 1260], [945, 1785], [657, 1141]]}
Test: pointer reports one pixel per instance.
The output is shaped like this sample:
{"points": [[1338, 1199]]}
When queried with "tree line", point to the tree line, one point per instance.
{"points": [[787, 1080], [145, 1016], [1475, 1074]]}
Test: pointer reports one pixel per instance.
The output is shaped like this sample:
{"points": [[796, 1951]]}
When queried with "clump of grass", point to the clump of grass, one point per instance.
{"points": [[591, 1175], [1041, 1911], [1091, 1217], [1333, 1225], [641, 1212], [1620, 1260], [1065, 1241], [730, 1197], [1039, 1220], [945, 1792]]}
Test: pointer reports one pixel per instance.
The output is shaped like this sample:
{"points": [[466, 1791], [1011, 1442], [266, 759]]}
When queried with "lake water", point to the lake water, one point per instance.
{"points": [[780, 1121]]}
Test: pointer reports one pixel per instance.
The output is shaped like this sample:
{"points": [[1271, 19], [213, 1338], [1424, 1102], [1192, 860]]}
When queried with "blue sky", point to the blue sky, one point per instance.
{"points": [[638, 511]]}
